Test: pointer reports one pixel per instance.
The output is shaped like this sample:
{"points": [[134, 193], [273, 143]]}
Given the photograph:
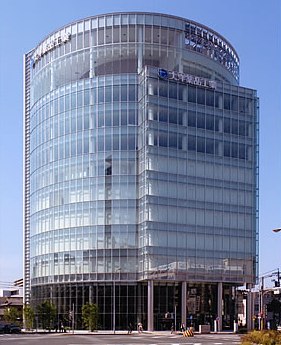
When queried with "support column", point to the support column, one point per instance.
{"points": [[150, 306], [183, 303], [249, 308], [179, 55], [140, 49], [219, 308], [90, 294]]}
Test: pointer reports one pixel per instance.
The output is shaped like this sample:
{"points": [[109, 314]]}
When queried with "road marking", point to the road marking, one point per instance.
{"points": [[161, 336]]}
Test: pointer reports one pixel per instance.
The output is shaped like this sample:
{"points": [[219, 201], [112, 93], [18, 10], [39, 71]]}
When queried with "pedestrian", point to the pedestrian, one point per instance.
{"points": [[140, 327], [182, 327], [172, 328], [130, 328]]}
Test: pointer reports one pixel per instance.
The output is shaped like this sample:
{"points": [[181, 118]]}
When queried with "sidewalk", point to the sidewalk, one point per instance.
{"points": [[118, 332], [99, 332]]}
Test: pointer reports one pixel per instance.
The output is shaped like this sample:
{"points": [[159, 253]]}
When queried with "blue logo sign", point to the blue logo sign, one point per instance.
{"points": [[163, 74]]}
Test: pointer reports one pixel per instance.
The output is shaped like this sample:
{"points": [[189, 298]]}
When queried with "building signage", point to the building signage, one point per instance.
{"points": [[47, 47], [186, 78]]}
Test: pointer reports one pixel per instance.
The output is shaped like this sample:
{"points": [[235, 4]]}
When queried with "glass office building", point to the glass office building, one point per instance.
{"points": [[140, 179]]}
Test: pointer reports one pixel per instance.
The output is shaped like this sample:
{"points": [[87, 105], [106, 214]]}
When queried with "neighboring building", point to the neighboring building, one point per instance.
{"points": [[18, 282], [140, 172], [11, 297]]}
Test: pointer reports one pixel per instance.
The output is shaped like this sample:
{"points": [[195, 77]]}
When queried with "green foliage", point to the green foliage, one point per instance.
{"points": [[90, 316], [274, 306], [262, 337], [12, 315], [28, 313], [46, 315]]}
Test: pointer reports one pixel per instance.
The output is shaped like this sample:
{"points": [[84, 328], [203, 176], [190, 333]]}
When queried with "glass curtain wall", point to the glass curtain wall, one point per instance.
{"points": [[134, 178], [197, 181]]}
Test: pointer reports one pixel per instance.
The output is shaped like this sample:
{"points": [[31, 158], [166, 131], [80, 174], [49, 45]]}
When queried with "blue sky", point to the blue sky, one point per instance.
{"points": [[253, 28]]}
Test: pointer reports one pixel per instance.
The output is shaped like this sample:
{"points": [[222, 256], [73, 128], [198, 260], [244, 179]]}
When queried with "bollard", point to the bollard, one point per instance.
{"points": [[215, 326]]}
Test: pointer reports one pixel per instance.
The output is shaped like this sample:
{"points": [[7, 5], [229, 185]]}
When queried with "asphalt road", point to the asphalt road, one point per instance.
{"points": [[118, 339]]}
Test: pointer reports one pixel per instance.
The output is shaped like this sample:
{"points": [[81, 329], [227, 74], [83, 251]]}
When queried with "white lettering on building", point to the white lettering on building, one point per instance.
{"points": [[44, 48], [186, 78]]}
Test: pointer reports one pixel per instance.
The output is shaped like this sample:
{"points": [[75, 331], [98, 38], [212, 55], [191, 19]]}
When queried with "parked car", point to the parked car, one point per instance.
{"points": [[14, 329], [4, 328], [9, 328]]}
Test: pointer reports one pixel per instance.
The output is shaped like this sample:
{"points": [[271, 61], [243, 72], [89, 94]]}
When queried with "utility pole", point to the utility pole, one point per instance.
{"points": [[261, 316], [114, 316], [175, 328], [263, 291]]}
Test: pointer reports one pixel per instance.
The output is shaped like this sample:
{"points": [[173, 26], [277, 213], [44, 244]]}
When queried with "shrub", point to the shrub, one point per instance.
{"points": [[262, 338], [28, 316], [90, 316]]}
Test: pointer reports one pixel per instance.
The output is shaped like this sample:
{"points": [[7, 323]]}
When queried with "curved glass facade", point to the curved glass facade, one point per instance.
{"points": [[140, 170]]}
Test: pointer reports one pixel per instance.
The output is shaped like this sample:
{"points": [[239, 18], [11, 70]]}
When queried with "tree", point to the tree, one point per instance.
{"points": [[28, 313], [275, 307], [90, 316], [47, 314], [12, 314]]}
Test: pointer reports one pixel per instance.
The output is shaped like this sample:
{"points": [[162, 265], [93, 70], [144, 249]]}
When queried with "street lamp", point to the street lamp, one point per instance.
{"points": [[277, 230], [116, 270]]}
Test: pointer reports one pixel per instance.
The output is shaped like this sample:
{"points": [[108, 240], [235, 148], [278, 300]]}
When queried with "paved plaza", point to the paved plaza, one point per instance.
{"points": [[156, 338]]}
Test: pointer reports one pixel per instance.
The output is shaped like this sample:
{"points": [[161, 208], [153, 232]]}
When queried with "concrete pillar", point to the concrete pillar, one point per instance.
{"points": [[150, 306], [220, 102], [150, 114], [185, 94], [179, 52], [140, 49], [52, 86], [183, 303], [90, 294], [150, 137], [220, 126], [219, 308], [92, 68]]}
